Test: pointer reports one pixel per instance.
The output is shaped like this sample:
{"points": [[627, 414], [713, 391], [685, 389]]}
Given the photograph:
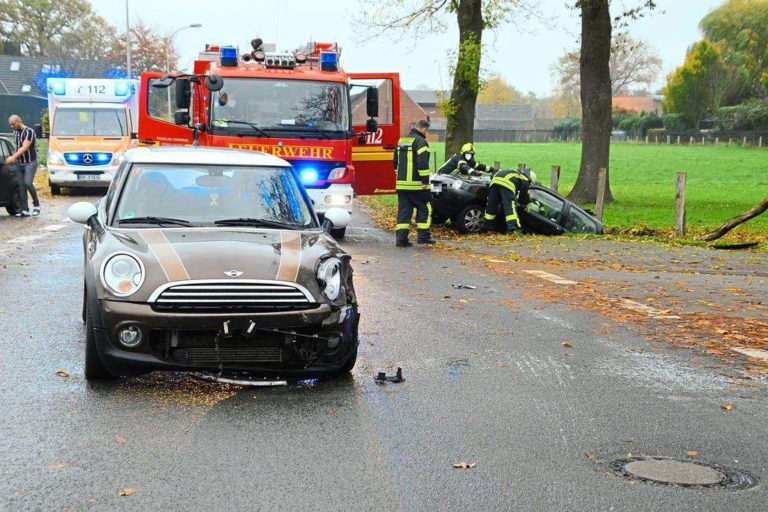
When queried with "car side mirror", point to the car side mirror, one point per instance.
{"points": [[134, 135], [336, 218], [183, 93], [214, 83], [372, 102], [81, 212], [181, 118]]}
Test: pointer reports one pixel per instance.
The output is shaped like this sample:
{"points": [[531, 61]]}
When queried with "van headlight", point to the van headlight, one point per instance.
{"points": [[122, 274], [329, 277], [55, 157]]}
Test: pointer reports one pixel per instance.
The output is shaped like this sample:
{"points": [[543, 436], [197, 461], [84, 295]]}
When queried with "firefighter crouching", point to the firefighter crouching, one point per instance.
{"points": [[464, 164], [411, 162], [508, 188]]}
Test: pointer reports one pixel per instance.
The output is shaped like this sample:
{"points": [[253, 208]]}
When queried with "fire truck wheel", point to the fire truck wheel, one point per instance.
{"points": [[55, 189], [338, 234]]}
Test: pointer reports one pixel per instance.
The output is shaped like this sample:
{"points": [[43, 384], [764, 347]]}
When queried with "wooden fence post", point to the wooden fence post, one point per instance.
{"points": [[760, 142], [730, 142], [656, 140], [744, 142], [717, 141], [520, 167], [601, 179], [554, 177], [678, 140], [680, 206], [669, 140], [646, 140], [690, 142], [497, 165]]}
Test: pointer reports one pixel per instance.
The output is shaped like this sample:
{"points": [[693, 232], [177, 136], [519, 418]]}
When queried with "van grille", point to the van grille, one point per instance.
{"points": [[227, 296]]}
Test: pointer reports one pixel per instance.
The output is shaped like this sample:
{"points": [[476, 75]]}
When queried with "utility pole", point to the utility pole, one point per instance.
{"points": [[127, 42], [168, 47]]}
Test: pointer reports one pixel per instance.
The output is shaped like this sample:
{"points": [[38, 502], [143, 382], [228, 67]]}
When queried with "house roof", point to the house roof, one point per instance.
{"points": [[498, 117], [26, 75], [424, 96]]}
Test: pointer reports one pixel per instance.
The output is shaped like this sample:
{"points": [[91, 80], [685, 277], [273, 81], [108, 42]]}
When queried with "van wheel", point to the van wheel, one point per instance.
{"points": [[338, 234], [55, 189], [470, 219], [94, 368], [14, 205]]}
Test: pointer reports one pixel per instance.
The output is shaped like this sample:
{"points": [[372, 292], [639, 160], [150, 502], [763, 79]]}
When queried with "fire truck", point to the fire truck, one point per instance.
{"points": [[337, 129]]}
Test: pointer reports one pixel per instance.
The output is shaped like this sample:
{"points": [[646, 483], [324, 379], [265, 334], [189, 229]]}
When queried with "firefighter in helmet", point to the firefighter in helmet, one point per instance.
{"points": [[464, 164], [508, 189], [411, 162]]}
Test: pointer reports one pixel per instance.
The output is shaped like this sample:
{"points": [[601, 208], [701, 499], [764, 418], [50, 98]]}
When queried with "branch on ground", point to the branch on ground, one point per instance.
{"points": [[737, 220]]}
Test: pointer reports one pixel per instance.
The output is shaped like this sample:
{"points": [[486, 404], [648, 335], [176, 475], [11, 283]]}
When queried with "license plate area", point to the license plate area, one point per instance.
{"points": [[89, 177]]}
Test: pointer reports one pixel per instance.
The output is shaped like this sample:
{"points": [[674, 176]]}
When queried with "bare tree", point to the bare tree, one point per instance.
{"points": [[421, 17], [148, 49]]}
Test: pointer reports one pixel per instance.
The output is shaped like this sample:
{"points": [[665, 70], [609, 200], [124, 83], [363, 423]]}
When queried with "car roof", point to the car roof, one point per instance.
{"points": [[202, 156]]}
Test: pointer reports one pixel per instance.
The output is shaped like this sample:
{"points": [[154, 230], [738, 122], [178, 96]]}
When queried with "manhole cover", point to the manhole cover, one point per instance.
{"points": [[684, 473], [674, 472]]}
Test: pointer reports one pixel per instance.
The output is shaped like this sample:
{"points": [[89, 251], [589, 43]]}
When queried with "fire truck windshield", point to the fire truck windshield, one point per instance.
{"points": [[265, 105], [104, 122]]}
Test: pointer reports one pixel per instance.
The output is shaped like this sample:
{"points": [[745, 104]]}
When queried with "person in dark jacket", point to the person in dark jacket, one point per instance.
{"points": [[411, 163], [464, 164], [508, 189]]}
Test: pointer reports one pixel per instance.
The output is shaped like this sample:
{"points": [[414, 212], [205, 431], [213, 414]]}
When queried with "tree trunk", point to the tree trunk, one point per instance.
{"points": [[595, 100], [460, 118], [739, 219]]}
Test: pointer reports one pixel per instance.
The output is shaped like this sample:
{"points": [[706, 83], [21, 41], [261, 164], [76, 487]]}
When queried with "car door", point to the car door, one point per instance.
{"points": [[543, 214], [372, 156], [7, 174]]}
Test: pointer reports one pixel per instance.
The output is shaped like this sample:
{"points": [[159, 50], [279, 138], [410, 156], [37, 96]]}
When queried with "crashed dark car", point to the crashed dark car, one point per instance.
{"points": [[9, 182], [462, 201], [213, 260]]}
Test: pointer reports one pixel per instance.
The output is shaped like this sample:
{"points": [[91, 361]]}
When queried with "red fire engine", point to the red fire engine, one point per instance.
{"points": [[337, 129]]}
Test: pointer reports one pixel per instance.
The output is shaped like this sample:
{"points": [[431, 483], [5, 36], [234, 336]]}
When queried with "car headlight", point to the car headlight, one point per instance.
{"points": [[456, 185], [122, 274], [329, 277], [55, 157]]}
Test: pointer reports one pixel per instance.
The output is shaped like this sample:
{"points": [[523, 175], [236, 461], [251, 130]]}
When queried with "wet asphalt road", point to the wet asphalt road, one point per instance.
{"points": [[488, 382]]}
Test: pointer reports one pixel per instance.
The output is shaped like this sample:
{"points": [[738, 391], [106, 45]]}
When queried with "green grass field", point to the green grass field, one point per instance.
{"points": [[722, 181]]}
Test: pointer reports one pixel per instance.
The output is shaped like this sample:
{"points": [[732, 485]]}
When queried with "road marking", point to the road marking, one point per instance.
{"points": [[25, 239], [755, 353], [648, 310], [54, 227], [550, 277]]}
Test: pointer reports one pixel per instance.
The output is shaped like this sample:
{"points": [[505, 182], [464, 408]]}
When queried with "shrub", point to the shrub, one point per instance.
{"points": [[676, 123], [568, 128], [752, 115]]}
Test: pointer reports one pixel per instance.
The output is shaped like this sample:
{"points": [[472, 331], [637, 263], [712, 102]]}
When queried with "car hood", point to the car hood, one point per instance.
{"points": [[225, 254]]}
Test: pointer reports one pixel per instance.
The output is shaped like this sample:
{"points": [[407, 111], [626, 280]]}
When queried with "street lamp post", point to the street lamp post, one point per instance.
{"points": [[127, 42], [168, 46]]}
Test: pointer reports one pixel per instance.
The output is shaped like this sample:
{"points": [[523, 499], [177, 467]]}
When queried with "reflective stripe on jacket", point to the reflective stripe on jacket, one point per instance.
{"points": [[411, 162], [515, 181]]}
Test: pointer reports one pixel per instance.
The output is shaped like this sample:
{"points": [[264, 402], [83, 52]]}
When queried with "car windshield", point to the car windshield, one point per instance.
{"points": [[105, 122], [210, 195], [280, 105]]}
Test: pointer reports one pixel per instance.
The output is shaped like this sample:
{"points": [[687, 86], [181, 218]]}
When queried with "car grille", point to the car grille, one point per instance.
{"points": [[203, 355], [227, 296]]}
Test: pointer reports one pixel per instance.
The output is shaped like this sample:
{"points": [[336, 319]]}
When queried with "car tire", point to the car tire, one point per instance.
{"points": [[94, 368], [470, 219], [82, 313], [349, 364], [14, 205], [338, 234], [55, 189]]}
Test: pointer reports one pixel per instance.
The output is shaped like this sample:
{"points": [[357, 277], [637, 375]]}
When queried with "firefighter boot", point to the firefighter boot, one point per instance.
{"points": [[425, 238], [401, 238]]}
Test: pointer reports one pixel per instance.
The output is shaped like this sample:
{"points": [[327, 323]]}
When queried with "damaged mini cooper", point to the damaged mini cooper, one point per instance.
{"points": [[213, 260]]}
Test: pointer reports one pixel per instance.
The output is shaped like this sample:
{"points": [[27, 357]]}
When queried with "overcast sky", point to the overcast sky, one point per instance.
{"points": [[522, 53]]}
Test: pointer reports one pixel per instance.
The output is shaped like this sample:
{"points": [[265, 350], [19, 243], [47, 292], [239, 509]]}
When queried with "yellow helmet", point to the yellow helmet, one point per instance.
{"points": [[468, 148]]}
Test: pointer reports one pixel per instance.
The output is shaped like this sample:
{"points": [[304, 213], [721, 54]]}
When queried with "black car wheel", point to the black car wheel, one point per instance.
{"points": [[338, 234], [55, 189], [94, 368], [14, 205], [470, 219]]}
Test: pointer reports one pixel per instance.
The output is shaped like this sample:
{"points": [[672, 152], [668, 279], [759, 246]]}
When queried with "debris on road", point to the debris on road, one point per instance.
{"points": [[60, 465], [464, 287], [127, 491], [692, 453], [567, 344], [726, 407], [382, 377], [62, 373], [464, 465], [120, 440]]}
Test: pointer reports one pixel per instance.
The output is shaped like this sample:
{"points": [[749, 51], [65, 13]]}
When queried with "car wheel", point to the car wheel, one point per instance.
{"points": [[82, 313], [349, 364], [338, 234], [94, 368], [470, 219], [14, 205], [55, 189]]}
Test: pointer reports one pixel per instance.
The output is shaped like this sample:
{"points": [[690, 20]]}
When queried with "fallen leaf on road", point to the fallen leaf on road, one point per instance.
{"points": [[128, 491], [592, 457], [692, 453], [567, 344], [120, 440], [62, 373], [464, 465], [726, 407], [60, 465]]}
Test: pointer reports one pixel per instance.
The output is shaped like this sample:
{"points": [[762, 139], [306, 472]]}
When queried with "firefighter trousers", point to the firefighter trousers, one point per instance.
{"points": [[501, 196], [407, 201]]}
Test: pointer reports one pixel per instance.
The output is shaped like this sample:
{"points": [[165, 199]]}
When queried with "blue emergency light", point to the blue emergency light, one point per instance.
{"points": [[329, 61], [228, 56], [57, 87], [308, 175], [122, 88]]}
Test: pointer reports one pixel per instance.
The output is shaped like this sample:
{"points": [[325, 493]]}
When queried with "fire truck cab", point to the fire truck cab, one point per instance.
{"points": [[92, 123], [337, 129]]}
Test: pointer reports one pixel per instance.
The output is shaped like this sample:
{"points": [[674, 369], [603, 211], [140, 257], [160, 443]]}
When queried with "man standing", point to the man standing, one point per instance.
{"points": [[411, 162], [25, 159], [463, 163], [508, 188]]}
